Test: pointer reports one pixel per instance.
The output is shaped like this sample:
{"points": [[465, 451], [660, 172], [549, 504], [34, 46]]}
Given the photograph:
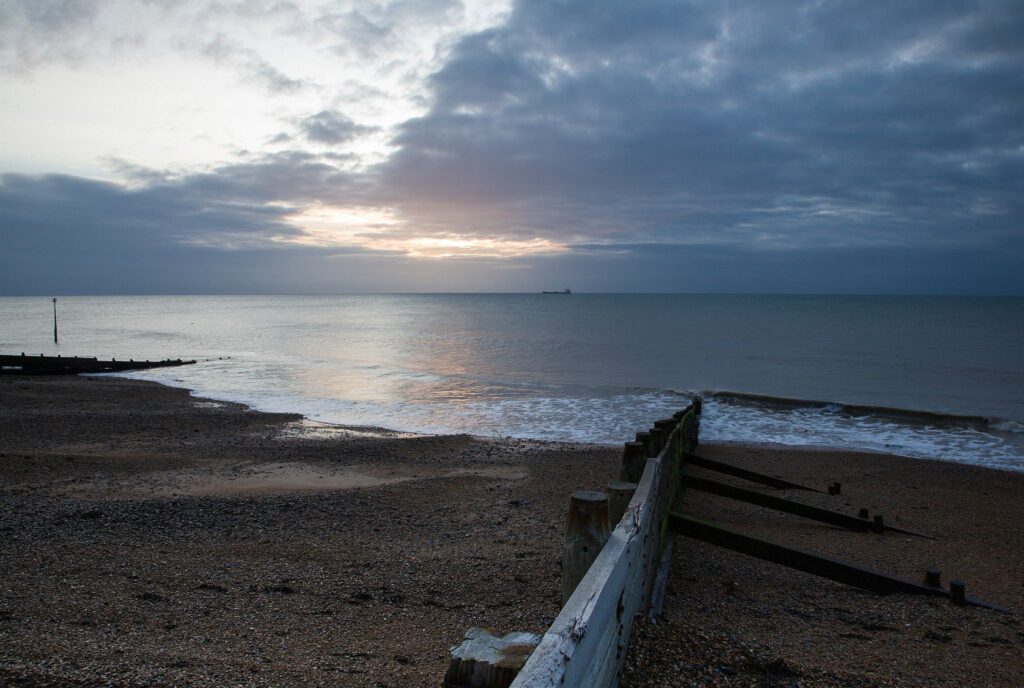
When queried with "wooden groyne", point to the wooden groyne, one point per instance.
{"points": [[72, 365], [608, 585], [587, 643], [616, 555]]}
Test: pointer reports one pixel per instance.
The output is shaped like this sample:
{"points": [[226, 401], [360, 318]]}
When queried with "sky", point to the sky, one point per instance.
{"points": [[268, 146]]}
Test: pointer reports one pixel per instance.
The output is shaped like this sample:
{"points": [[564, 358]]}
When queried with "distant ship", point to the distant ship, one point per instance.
{"points": [[564, 291]]}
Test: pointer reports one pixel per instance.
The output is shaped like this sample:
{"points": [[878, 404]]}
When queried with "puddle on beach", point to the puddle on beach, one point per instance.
{"points": [[306, 429], [286, 477], [208, 404], [276, 478]]}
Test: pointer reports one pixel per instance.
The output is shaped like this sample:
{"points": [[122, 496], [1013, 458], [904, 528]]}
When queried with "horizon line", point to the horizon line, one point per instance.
{"points": [[520, 293]]}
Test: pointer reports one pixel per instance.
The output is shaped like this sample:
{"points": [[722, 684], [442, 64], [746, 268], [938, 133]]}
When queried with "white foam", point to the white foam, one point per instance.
{"points": [[1008, 426], [826, 426], [597, 416]]}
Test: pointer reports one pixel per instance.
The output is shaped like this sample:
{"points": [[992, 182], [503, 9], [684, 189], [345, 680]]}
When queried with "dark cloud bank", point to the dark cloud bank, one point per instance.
{"points": [[827, 147]]}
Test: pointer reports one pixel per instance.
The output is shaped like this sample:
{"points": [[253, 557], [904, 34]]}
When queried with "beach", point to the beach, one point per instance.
{"points": [[155, 538], [730, 619]]}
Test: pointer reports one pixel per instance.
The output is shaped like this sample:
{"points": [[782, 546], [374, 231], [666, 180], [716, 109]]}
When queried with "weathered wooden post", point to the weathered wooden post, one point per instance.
{"points": [[694, 434], [657, 440], [644, 438], [55, 320], [879, 523], [619, 494], [958, 592], [634, 458], [487, 661], [933, 577], [665, 425], [586, 531]]}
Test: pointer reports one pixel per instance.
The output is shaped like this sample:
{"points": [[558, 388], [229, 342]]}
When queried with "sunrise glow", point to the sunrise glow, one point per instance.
{"points": [[381, 229]]}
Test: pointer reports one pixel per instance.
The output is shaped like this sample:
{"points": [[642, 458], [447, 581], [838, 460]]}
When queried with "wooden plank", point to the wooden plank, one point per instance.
{"points": [[752, 476], [788, 506], [661, 581], [808, 562], [586, 645], [577, 648]]}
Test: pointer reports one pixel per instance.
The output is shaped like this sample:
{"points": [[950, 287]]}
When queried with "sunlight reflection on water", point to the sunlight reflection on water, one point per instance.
{"points": [[592, 368]]}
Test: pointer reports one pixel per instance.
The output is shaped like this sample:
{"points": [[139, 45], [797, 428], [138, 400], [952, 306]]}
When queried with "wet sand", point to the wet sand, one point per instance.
{"points": [[154, 538]]}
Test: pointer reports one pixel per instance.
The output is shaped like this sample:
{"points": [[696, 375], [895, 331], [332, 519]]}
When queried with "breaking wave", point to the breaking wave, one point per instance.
{"points": [[978, 440]]}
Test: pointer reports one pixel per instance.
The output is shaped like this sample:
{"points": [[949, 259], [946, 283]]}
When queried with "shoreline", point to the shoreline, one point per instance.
{"points": [[851, 408], [113, 568], [253, 407], [905, 416]]}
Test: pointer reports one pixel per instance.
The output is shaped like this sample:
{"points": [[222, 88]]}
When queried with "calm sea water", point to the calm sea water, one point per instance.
{"points": [[593, 368]]}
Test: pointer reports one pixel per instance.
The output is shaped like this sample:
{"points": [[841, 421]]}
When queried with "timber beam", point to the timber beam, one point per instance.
{"points": [[809, 562], [789, 506], [752, 476]]}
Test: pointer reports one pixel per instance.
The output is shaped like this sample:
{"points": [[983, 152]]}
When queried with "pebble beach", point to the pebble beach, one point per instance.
{"points": [[155, 538]]}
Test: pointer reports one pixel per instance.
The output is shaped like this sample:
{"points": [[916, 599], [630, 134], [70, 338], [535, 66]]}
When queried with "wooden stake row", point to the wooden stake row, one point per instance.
{"points": [[789, 506], [818, 564]]}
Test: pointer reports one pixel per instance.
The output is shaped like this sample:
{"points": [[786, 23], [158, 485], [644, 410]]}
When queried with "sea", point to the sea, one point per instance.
{"points": [[930, 377]]}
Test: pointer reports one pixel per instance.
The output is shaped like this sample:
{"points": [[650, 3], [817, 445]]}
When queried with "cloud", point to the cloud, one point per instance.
{"points": [[59, 213], [357, 34], [252, 65], [774, 126], [82, 33], [35, 32], [331, 128], [651, 145], [248, 204]]}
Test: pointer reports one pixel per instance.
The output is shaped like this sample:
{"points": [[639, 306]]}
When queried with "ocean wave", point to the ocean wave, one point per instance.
{"points": [[726, 419], [611, 415], [1006, 425], [859, 410]]}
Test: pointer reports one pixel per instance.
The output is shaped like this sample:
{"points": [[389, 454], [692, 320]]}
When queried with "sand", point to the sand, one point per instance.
{"points": [[151, 538]]}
